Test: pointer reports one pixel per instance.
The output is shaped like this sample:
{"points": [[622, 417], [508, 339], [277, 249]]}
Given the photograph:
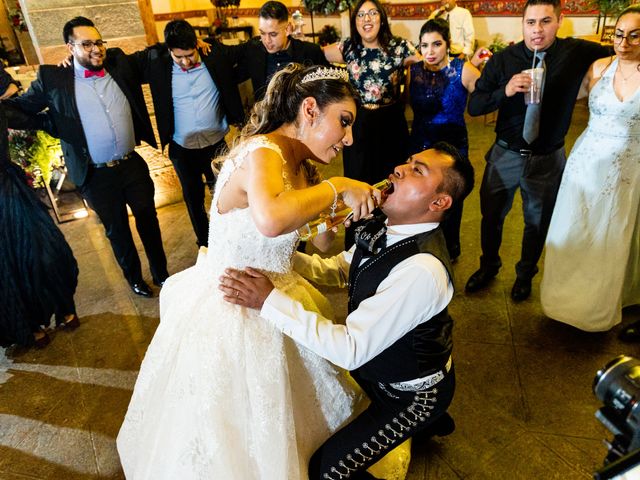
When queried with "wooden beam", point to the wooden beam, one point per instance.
{"points": [[148, 21]]}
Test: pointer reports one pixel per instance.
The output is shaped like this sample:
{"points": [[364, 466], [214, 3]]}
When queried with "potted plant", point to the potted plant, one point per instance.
{"points": [[608, 8], [37, 153]]}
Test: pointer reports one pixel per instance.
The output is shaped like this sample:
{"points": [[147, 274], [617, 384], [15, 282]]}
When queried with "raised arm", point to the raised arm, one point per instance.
{"points": [[593, 76], [333, 53], [488, 92], [259, 184], [471, 72]]}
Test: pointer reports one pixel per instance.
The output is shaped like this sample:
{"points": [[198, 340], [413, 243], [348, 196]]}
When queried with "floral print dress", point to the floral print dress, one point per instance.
{"points": [[380, 133]]}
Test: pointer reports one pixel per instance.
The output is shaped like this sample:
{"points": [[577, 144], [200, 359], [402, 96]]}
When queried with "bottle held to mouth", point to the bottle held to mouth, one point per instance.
{"points": [[326, 222]]}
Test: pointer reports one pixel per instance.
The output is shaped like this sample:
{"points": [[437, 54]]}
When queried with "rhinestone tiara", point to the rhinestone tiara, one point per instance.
{"points": [[326, 73]]}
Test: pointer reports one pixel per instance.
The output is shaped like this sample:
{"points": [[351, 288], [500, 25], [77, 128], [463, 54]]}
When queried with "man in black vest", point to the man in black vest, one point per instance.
{"points": [[396, 341], [196, 98], [98, 111]]}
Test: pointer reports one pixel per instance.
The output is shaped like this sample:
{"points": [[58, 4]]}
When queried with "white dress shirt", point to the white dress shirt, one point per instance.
{"points": [[461, 28], [415, 290]]}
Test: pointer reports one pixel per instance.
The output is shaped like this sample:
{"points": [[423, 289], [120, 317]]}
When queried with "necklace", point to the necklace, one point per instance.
{"points": [[623, 78]]}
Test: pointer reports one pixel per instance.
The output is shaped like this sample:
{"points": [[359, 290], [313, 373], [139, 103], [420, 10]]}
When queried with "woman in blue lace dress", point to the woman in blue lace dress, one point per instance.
{"points": [[438, 90]]}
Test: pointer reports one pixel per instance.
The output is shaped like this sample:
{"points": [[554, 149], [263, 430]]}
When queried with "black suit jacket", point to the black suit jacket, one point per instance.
{"points": [[251, 58], [155, 65], [55, 89]]}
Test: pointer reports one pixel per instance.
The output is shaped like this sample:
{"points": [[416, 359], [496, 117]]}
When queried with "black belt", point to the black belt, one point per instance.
{"points": [[112, 163], [526, 152]]}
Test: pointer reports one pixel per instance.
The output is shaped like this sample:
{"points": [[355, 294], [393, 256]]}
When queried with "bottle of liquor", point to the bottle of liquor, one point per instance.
{"points": [[326, 222]]}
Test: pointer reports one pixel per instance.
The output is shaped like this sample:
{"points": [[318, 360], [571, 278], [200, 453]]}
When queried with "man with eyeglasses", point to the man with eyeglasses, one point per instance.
{"points": [[98, 111], [534, 165], [261, 57]]}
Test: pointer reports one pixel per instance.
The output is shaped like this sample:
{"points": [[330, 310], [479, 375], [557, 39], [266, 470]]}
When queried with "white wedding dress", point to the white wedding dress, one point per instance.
{"points": [[221, 394], [592, 260]]}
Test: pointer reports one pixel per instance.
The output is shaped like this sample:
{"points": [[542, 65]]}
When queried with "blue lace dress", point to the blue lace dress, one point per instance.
{"points": [[438, 100]]}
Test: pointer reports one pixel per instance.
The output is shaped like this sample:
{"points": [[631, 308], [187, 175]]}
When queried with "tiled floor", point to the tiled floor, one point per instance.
{"points": [[524, 407]]}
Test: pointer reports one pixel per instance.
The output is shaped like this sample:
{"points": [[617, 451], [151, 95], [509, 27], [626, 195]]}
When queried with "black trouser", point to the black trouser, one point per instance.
{"points": [[392, 418], [190, 165], [109, 191], [538, 177]]}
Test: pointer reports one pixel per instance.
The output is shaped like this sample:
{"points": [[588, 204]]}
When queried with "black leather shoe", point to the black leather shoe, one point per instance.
{"points": [[521, 289], [479, 280], [160, 283], [630, 333], [440, 428], [142, 289]]}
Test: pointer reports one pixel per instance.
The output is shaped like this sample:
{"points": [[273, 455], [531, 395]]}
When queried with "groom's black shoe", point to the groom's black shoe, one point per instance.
{"points": [[479, 280], [442, 427], [142, 289]]}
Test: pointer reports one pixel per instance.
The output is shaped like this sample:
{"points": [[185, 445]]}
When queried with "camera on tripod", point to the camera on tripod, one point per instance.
{"points": [[617, 385]]}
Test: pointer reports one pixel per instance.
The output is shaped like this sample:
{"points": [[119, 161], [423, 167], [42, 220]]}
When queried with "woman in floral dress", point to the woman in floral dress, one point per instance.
{"points": [[376, 61]]}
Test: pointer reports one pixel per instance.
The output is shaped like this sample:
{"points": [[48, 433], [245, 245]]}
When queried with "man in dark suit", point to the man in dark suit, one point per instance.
{"points": [[97, 110], [195, 97], [261, 57]]}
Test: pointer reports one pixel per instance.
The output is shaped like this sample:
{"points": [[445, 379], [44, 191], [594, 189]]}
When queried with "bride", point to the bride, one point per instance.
{"points": [[219, 395]]}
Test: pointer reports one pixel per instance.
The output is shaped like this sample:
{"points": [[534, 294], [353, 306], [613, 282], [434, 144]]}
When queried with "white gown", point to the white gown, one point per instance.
{"points": [[591, 267], [220, 393]]}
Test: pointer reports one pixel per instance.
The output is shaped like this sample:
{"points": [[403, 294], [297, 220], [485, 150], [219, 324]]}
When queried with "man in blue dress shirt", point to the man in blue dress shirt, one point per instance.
{"points": [[97, 110], [195, 97]]}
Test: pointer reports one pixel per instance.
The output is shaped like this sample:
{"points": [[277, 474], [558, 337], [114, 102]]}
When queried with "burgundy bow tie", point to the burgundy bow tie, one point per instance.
{"points": [[194, 66], [93, 73]]}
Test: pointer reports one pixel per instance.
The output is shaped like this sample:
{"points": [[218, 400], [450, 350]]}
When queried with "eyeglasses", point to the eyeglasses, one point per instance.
{"points": [[373, 14], [88, 44], [633, 38]]}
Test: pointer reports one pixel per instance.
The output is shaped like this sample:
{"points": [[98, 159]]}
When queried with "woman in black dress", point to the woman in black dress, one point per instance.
{"points": [[38, 272]]}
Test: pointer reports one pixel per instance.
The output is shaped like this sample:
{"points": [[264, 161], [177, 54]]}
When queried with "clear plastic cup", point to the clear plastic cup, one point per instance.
{"points": [[535, 91]]}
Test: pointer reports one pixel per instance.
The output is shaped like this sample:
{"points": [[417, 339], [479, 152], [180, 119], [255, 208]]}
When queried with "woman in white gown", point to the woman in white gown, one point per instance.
{"points": [[592, 261], [220, 395]]}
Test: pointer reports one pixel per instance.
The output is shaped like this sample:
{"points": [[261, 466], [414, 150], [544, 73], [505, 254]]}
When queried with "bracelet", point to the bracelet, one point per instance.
{"points": [[334, 205]]}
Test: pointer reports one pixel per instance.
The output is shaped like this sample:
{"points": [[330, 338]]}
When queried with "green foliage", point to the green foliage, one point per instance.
{"points": [[328, 35], [497, 43], [327, 7], [36, 152], [609, 7]]}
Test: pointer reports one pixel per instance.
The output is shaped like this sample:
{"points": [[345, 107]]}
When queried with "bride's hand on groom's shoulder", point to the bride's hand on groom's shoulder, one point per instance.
{"points": [[247, 288]]}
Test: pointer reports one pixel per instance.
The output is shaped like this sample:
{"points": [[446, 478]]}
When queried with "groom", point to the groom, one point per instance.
{"points": [[397, 338]]}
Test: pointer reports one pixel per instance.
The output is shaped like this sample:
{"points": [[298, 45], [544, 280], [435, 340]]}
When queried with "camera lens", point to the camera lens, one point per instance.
{"points": [[617, 385]]}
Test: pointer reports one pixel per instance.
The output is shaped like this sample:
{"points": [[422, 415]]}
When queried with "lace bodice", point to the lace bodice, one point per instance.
{"points": [[438, 97], [234, 240], [610, 116]]}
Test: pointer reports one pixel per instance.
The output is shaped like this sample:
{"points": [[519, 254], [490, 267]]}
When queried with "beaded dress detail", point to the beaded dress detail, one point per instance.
{"points": [[221, 394]]}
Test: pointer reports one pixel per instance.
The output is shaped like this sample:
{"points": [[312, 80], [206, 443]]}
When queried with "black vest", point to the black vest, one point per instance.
{"points": [[426, 348]]}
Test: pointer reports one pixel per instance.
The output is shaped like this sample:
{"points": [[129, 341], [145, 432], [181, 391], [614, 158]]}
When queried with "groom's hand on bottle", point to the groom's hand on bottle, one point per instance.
{"points": [[247, 288]]}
